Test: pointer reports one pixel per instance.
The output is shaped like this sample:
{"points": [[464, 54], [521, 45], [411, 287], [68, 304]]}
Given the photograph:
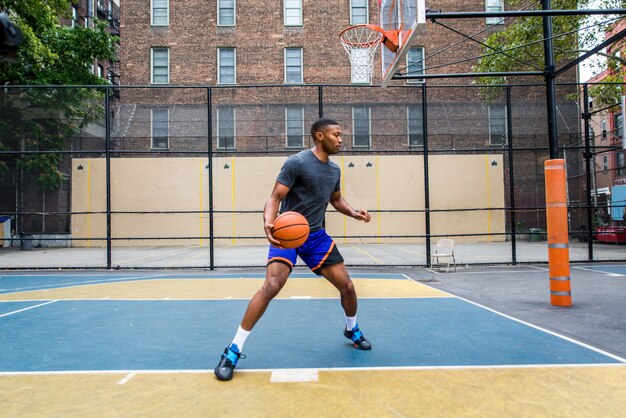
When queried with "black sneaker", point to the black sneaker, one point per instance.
{"points": [[226, 366], [357, 338]]}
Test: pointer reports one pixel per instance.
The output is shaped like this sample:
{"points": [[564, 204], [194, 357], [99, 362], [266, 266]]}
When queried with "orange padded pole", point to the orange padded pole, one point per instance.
{"points": [[558, 238]]}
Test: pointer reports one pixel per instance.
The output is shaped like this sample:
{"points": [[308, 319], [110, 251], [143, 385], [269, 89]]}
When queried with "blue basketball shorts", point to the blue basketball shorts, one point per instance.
{"points": [[318, 251]]}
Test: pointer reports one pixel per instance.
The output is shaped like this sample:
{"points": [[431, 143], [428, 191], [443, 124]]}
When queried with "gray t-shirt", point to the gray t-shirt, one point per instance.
{"points": [[311, 183]]}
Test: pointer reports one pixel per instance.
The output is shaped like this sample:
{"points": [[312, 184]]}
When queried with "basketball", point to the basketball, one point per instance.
{"points": [[291, 229]]}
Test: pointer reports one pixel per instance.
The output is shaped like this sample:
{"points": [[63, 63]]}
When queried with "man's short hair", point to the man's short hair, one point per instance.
{"points": [[320, 124]]}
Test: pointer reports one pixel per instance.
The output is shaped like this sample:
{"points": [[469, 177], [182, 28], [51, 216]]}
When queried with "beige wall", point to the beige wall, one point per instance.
{"points": [[244, 183]]}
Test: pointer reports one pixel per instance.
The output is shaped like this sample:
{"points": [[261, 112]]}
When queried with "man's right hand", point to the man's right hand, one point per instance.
{"points": [[270, 237]]}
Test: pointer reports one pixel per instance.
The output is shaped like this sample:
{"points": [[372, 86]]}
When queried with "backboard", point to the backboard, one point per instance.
{"points": [[404, 19]]}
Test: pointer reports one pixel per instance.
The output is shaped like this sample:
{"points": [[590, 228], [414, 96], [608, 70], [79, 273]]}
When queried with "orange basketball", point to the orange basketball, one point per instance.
{"points": [[291, 229]]}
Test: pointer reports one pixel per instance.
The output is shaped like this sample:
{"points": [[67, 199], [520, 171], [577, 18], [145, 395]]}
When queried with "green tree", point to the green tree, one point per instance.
{"points": [[521, 41], [43, 119]]}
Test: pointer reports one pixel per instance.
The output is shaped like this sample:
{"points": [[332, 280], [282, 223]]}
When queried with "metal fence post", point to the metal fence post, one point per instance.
{"points": [[320, 101], [509, 132], [426, 179], [107, 126], [210, 169], [548, 49], [588, 161]]}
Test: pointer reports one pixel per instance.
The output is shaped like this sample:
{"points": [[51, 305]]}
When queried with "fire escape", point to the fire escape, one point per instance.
{"points": [[110, 12]]}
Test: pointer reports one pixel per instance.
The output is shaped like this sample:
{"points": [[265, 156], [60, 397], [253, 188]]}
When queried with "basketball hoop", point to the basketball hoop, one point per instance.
{"points": [[360, 42]]}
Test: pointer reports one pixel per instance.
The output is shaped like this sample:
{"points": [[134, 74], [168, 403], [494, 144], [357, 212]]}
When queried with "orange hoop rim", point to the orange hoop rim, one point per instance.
{"points": [[343, 36], [388, 38]]}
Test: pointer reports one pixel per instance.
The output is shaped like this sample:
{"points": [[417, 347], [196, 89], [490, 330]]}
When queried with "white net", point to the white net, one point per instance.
{"points": [[361, 43]]}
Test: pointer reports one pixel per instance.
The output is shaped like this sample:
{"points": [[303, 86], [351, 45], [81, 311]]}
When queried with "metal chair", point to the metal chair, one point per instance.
{"points": [[444, 250]]}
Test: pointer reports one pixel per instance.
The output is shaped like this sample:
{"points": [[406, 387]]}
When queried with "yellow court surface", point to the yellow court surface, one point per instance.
{"points": [[497, 392], [226, 288]]}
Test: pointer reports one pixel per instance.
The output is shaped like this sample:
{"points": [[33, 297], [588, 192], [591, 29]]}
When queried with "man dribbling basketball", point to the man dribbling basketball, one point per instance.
{"points": [[306, 184]]}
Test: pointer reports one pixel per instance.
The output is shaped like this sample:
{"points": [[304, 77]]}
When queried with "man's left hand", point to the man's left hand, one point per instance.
{"points": [[363, 215]]}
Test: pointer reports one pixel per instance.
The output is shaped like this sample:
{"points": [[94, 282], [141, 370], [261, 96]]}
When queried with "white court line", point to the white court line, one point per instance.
{"points": [[81, 284], [539, 268], [587, 346], [294, 375], [321, 369], [30, 307], [501, 271], [598, 271], [592, 270], [126, 378]]}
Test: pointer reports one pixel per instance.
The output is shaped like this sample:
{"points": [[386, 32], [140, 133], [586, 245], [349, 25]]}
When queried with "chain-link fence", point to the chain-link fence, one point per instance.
{"points": [[174, 177]]}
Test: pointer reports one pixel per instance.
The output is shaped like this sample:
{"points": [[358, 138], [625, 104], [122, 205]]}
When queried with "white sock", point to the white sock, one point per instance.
{"points": [[350, 322], [240, 338]]}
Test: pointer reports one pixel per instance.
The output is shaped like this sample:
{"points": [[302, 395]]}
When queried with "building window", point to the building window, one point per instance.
{"points": [[415, 63], [100, 71], [160, 125], [160, 13], [294, 126], [359, 13], [160, 66], [618, 125], [361, 126], [293, 12], [74, 16], [497, 124], [603, 127], [621, 170], [226, 64], [226, 12], [293, 65], [226, 127], [415, 126], [494, 6], [605, 162]]}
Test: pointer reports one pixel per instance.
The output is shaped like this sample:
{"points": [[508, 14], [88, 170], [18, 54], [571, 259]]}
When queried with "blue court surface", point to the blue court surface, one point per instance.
{"points": [[128, 334]]}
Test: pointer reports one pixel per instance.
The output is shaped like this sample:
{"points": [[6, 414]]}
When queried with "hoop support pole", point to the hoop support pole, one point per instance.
{"points": [[558, 238]]}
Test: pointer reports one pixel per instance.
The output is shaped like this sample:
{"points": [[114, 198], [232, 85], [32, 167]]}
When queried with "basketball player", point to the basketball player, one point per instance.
{"points": [[307, 182]]}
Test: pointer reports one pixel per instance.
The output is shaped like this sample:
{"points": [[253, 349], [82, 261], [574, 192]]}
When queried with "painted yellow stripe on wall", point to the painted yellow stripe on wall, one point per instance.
{"points": [[343, 184], [201, 206], [488, 189], [88, 203], [378, 214], [233, 206]]}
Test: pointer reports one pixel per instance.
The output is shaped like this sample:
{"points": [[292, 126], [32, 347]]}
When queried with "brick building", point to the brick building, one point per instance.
{"points": [[229, 44]]}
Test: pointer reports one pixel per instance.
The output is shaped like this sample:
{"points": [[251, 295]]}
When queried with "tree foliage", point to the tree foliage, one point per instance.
{"points": [[519, 46], [43, 119]]}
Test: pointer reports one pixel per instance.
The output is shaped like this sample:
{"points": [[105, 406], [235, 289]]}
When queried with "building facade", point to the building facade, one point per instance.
{"points": [[606, 131]]}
